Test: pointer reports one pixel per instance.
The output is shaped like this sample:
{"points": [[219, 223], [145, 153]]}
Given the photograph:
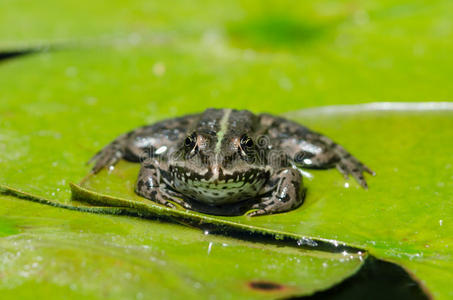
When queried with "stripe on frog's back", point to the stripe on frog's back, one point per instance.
{"points": [[214, 122], [240, 122], [209, 122], [222, 124], [223, 129]]}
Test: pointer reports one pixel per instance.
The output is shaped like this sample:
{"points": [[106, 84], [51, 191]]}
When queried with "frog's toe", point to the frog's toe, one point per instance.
{"points": [[154, 194], [105, 158], [161, 200], [179, 201], [259, 212], [369, 171], [169, 204], [343, 170], [263, 207], [262, 204], [354, 168], [186, 205], [175, 197], [361, 180], [271, 209], [274, 205]]}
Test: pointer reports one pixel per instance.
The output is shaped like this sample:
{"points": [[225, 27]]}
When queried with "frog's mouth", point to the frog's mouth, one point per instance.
{"points": [[220, 189], [216, 176]]}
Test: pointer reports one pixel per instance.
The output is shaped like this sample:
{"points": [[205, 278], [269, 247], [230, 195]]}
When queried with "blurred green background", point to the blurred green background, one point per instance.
{"points": [[187, 55]]}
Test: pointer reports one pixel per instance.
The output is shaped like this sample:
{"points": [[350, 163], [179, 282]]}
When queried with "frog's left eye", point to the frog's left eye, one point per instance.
{"points": [[190, 141]]}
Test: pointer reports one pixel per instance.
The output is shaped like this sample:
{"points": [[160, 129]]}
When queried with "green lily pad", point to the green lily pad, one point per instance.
{"points": [[7, 228], [40, 132], [59, 253], [389, 220]]}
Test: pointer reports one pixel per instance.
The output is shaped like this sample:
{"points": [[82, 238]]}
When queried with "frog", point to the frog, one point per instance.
{"points": [[222, 157]]}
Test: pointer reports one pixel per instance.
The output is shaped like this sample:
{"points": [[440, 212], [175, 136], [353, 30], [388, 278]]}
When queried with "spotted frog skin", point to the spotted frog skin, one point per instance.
{"points": [[226, 157]]}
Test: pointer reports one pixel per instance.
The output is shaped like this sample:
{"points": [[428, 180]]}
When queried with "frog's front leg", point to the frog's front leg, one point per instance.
{"points": [[112, 153], [309, 149], [285, 192], [328, 154], [142, 142], [151, 186]]}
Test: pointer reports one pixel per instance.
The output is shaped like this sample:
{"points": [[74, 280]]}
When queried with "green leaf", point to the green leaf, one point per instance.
{"points": [[47, 141], [58, 253], [7, 228], [390, 220]]}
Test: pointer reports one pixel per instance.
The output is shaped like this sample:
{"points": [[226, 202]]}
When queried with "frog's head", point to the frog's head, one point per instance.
{"points": [[219, 168]]}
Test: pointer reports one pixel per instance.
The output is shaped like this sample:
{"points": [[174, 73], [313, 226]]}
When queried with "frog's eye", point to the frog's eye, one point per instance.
{"points": [[190, 141], [246, 142]]}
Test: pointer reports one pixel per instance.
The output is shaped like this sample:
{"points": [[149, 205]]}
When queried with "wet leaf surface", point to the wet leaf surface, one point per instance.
{"points": [[370, 219], [408, 185], [55, 253]]}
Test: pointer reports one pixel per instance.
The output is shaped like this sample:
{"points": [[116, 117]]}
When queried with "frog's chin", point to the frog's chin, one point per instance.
{"points": [[222, 189], [220, 192]]}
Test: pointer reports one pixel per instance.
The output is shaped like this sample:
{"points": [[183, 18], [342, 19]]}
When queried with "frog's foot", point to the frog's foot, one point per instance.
{"points": [[349, 165], [175, 197], [275, 204], [148, 186], [286, 195], [160, 195], [267, 206], [155, 195], [107, 157]]}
